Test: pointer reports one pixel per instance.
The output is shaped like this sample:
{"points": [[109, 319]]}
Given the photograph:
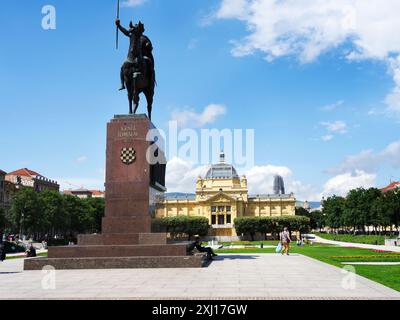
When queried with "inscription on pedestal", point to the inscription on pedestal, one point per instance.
{"points": [[128, 131]]}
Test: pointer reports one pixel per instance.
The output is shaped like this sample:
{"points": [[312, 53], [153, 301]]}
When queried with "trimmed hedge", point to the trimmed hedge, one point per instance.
{"points": [[181, 225], [273, 225], [13, 247]]}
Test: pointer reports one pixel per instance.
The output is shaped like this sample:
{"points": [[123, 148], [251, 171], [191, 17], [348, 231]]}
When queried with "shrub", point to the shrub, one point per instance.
{"points": [[181, 225], [247, 225], [13, 247]]}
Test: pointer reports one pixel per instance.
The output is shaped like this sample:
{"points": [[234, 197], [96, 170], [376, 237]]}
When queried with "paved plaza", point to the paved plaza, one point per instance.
{"points": [[246, 276]]}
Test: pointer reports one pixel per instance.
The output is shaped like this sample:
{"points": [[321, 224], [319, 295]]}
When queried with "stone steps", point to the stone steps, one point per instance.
{"points": [[116, 251], [116, 262], [122, 239]]}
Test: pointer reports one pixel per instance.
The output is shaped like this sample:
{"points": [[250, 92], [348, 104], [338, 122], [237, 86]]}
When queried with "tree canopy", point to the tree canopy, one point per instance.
{"points": [[49, 214]]}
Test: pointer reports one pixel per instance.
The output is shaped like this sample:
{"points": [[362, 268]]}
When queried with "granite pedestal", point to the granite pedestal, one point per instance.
{"points": [[133, 184]]}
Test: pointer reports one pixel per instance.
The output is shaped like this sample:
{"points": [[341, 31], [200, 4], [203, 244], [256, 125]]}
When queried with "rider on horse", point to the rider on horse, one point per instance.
{"points": [[138, 53]]}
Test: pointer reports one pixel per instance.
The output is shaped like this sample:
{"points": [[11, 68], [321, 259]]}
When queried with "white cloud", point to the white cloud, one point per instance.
{"points": [[341, 184], [333, 106], [260, 178], [81, 159], [132, 3], [181, 177], [260, 181], [335, 126], [393, 98], [192, 119], [327, 137], [392, 153], [370, 161], [308, 28], [366, 160], [234, 9]]}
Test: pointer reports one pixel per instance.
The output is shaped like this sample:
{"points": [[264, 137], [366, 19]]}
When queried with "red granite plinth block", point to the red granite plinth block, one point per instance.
{"points": [[127, 184], [125, 224], [125, 207], [122, 239], [117, 251]]}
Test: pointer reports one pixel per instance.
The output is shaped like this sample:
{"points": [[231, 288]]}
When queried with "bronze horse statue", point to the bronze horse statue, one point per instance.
{"points": [[137, 73]]}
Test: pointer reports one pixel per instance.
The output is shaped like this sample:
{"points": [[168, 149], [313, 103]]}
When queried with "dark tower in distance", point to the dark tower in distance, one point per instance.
{"points": [[279, 186]]}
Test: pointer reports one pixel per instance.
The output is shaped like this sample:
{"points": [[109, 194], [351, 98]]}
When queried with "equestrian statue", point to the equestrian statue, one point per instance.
{"points": [[137, 72]]}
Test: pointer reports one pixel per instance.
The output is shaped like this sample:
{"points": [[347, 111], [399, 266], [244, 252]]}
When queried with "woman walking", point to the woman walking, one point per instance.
{"points": [[285, 240]]}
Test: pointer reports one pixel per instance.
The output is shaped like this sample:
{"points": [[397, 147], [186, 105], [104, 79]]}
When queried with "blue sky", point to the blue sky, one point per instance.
{"points": [[324, 112]]}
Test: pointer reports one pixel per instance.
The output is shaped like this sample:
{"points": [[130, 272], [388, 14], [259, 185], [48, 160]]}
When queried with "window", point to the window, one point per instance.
{"points": [[213, 209], [228, 208], [228, 218], [221, 219], [221, 208], [213, 219]]}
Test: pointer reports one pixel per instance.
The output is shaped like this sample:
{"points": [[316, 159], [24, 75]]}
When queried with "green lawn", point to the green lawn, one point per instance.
{"points": [[44, 254], [386, 275], [368, 239]]}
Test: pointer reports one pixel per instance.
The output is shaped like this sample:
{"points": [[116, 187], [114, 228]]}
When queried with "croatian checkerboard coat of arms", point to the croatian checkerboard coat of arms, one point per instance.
{"points": [[128, 155]]}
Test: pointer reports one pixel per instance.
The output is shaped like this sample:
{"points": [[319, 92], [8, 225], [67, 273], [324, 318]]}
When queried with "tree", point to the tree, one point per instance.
{"points": [[79, 214], [2, 222], [316, 217], [393, 208], [300, 211], [196, 226], [252, 225], [370, 196], [358, 211], [333, 211], [380, 216], [317, 220], [53, 213], [247, 225], [97, 211], [293, 223], [265, 225], [26, 212]]}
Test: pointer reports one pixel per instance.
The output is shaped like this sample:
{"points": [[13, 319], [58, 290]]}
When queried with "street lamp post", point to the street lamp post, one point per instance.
{"points": [[21, 225]]}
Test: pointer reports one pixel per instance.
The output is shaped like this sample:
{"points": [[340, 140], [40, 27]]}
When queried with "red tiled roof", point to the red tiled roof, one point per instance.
{"points": [[93, 192], [2, 172], [391, 186], [25, 172], [97, 192]]}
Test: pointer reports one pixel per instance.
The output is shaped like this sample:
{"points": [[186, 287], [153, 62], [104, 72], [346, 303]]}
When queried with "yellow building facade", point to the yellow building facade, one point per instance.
{"points": [[221, 196]]}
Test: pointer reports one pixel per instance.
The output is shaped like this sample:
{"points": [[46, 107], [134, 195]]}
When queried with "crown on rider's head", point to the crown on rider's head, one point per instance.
{"points": [[141, 26]]}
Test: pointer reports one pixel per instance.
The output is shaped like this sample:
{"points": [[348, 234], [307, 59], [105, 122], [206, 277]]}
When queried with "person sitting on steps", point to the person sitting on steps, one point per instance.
{"points": [[31, 252], [197, 244]]}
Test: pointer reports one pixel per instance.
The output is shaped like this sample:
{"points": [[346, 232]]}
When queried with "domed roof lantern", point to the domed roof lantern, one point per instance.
{"points": [[221, 170], [222, 156]]}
